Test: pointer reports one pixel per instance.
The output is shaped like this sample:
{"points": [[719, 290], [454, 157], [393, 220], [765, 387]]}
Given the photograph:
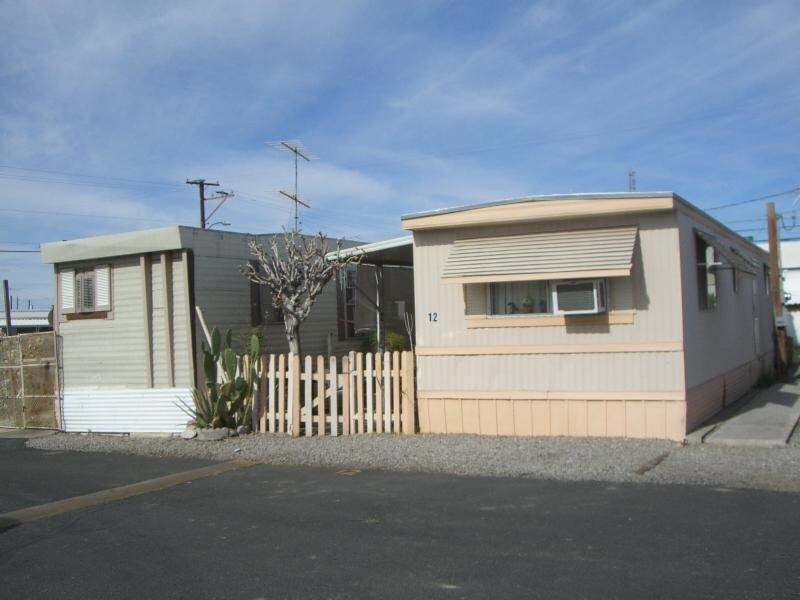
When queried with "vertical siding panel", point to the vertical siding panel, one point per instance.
{"points": [[615, 419], [596, 418], [488, 415], [452, 416], [577, 417], [424, 422], [655, 419], [540, 417], [471, 416], [523, 419], [635, 419], [559, 417], [505, 417], [676, 420], [436, 416]]}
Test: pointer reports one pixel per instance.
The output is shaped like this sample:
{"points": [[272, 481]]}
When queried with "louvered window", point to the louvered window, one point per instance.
{"points": [[85, 290]]}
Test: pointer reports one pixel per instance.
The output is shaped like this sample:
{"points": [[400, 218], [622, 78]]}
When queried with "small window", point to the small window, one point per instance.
{"points": [[767, 285], [85, 290], [706, 276], [524, 297]]}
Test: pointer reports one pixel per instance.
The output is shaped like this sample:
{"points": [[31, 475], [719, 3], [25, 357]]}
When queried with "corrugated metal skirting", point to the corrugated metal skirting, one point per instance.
{"points": [[125, 410]]}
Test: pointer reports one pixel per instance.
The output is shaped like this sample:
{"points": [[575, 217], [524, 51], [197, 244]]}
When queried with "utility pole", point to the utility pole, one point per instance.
{"points": [[631, 180], [201, 188], [7, 301], [776, 291]]}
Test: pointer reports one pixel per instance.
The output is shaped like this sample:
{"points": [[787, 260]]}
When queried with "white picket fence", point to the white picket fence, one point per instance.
{"points": [[357, 393]]}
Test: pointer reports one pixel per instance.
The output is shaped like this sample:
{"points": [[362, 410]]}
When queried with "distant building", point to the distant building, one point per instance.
{"points": [[27, 321], [790, 273]]}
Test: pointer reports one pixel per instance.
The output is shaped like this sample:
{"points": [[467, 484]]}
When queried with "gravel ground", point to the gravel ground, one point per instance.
{"points": [[570, 459]]}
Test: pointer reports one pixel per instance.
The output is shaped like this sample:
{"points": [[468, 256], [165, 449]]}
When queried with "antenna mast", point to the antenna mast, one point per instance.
{"points": [[296, 149]]}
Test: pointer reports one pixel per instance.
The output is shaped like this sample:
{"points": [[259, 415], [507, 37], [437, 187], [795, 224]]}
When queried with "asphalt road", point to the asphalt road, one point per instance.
{"points": [[282, 532]]}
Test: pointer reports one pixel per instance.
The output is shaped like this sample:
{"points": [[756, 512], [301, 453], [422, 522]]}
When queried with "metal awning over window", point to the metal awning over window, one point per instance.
{"points": [[728, 255], [538, 256]]}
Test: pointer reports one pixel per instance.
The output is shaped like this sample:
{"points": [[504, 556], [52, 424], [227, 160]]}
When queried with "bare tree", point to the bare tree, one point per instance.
{"points": [[295, 270]]}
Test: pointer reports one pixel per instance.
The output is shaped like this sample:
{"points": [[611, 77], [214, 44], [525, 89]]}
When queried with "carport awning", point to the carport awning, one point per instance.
{"points": [[728, 255], [539, 256]]}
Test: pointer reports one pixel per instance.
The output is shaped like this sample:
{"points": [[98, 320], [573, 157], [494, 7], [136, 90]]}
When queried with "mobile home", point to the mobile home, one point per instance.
{"points": [[625, 314], [129, 334]]}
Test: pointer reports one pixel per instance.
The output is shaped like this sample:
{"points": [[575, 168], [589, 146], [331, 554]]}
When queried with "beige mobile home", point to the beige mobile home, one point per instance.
{"points": [[631, 314], [126, 320]]}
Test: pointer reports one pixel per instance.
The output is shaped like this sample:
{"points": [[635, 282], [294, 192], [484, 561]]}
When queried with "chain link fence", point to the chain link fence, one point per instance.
{"points": [[29, 382]]}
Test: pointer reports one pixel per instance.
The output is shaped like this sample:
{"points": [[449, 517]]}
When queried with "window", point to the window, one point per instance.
{"points": [[767, 286], [346, 303], [85, 290], [583, 296], [737, 279], [706, 276], [256, 306], [526, 297]]}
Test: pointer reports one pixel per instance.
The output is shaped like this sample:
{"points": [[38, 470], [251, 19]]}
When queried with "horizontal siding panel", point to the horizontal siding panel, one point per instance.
{"points": [[125, 410]]}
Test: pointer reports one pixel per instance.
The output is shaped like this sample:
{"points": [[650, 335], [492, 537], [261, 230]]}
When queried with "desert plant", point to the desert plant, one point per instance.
{"points": [[226, 403], [206, 411]]}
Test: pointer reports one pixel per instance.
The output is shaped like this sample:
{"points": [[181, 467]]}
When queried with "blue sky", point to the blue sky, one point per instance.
{"points": [[106, 108]]}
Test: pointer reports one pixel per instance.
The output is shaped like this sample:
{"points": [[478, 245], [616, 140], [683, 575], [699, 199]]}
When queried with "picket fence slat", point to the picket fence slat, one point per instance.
{"points": [[368, 377], [360, 391], [396, 389], [308, 378], [347, 399], [387, 392], [353, 394], [272, 393]]}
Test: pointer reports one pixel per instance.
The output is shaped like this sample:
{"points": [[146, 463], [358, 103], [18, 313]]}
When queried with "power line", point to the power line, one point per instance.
{"points": [[100, 177], [88, 216], [751, 200]]}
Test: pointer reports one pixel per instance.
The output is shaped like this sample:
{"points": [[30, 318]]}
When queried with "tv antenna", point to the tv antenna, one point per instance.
{"points": [[631, 180], [296, 149]]}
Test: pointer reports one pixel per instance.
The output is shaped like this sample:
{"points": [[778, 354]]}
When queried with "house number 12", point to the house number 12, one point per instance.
{"points": [[433, 317]]}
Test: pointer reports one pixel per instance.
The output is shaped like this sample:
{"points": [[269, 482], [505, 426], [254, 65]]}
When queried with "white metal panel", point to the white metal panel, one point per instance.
{"points": [[125, 410]]}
